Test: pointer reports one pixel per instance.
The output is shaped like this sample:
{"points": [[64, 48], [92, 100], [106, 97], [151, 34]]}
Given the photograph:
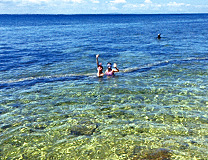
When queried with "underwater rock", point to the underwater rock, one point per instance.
{"points": [[184, 146], [154, 154], [109, 116], [138, 149], [193, 142], [40, 126], [16, 105], [6, 126], [83, 129], [3, 110]]}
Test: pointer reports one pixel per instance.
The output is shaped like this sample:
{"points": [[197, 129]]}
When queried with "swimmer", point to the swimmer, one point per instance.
{"points": [[99, 67], [110, 71], [158, 36]]}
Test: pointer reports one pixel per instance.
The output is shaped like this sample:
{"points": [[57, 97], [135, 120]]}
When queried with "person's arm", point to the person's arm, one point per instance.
{"points": [[116, 69], [97, 60]]}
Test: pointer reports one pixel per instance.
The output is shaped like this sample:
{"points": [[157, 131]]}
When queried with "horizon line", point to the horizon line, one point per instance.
{"points": [[101, 13]]}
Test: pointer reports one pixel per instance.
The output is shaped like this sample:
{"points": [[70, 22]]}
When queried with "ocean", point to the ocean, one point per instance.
{"points": [[52, 105]]}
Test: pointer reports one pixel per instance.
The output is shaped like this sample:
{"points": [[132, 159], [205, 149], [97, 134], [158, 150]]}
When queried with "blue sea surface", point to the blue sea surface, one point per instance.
{"points": [[52, 105]]}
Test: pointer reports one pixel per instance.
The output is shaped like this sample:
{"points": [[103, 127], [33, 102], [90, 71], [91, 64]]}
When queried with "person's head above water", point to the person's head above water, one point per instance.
{"points": [[109, 65], [100, 67]]}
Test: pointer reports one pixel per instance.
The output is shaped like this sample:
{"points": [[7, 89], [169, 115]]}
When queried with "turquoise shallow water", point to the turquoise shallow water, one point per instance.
{"points": [[52, 105]]}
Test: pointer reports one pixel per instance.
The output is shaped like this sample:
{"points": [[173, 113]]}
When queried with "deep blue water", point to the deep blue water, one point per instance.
{"points": [[48, 79]]}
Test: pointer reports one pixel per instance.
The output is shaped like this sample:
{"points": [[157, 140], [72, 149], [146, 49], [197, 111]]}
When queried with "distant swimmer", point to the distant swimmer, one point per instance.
{"points": [[99, 67], [158, 36], [110, 71]]}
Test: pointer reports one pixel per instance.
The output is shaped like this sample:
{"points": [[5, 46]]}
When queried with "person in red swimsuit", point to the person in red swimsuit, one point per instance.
{"points": [[110, 71], [99, 67]]}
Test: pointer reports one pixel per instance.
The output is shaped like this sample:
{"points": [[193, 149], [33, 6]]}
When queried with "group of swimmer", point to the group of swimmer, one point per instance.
{"points": [[109, 71]]}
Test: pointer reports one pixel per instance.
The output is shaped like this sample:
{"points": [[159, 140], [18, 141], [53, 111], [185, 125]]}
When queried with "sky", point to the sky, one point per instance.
{"points": [[103, 6]]}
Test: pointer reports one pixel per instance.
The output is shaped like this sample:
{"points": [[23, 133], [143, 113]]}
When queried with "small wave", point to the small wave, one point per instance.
{"points": [[29, 81], [147, 66], [160, 63], [48, 79]]}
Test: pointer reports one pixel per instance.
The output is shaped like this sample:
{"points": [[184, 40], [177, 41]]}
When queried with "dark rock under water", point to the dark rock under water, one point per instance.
{"points": [[154, 154], [86, 129]]}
